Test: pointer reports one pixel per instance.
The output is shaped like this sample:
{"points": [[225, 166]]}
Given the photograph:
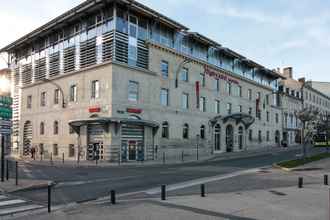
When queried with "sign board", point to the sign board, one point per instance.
{"points": [[215, 74], [134, 110]]}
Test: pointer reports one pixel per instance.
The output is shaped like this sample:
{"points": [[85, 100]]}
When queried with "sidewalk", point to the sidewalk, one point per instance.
{"points": [[159, 160], [23, 184]]}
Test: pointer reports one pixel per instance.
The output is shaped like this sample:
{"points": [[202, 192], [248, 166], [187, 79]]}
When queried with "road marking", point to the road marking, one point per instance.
{"points": [[11, 202], [19, 209], [26, 171], [199, 181], [3, 197], [83, 182]]}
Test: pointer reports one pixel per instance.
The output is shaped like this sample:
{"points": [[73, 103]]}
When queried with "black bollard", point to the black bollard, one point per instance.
{"points": [[49, 196], [202, 190], [16, 173], [63, 158], [300, 182], [113, 197], [7, 170], [326, 180], [182, 156], [163, 192], [163, 157]]}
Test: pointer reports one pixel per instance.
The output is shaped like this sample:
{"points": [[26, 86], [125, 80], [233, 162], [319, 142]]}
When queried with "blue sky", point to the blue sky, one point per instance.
{"points": [[274, 33]]}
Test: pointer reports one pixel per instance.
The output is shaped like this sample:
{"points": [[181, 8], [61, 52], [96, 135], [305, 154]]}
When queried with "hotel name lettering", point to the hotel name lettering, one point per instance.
{"points": [[217, 75]]}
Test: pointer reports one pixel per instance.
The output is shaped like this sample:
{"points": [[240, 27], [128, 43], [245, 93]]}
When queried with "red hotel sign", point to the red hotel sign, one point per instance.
{"points": [[217, 75], [134, 110], [94, 109]]}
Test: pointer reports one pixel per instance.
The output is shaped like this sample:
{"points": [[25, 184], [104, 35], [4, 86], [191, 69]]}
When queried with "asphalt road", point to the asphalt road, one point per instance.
{"points": [[82, 184]]}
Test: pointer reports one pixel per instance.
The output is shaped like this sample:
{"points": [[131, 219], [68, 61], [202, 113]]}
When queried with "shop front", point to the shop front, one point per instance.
{"points": [[115, 139]]}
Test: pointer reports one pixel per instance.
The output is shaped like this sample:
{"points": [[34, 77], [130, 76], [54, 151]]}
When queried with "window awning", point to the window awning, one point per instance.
{"points": [[76, 124]]}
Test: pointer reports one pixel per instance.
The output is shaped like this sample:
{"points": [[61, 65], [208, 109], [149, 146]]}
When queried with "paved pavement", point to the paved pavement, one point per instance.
{"points": [[10, 206], [87, 183], [267, 194]]}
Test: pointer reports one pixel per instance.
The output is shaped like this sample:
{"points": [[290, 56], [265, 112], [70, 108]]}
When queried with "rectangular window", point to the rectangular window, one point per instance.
{"points": [[239, 91], [250, 94], [184, 74], [267, 99], [259, 136], [229, 108], [267, 116], [164, 97], [133, 91], [202, 79], [43, 99], [217, 106], [95, 89], [29, 102], [56, 96], [164, 69], [228, 88], [71, 150], [267, 136], [250, 111], [185, 101], [55, 149], [202, 105], [216, 85], [73, 93]]}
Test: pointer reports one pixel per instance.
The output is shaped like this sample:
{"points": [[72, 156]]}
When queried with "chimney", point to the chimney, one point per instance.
{"points": [[287, 72], [302, 80]]}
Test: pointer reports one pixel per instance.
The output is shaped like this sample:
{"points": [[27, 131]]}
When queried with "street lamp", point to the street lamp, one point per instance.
{"points": [[59, 88], [181, 65]]}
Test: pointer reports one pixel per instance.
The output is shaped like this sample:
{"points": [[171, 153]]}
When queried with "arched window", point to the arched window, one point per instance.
{"points": [[202, 132], [185, 133], [165, 131], [42, 128], [55, 127]]}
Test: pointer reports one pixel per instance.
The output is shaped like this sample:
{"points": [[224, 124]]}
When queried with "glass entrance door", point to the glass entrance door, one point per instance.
{"points": [[132, 147]]}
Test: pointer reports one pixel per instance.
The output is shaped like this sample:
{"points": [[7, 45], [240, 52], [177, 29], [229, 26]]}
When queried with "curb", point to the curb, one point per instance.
{"points": [[28, 188], [275, 165]]}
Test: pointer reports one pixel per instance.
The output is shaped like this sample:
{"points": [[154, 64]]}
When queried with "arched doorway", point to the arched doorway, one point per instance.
{"points": [[277, 137], [240, 137], [229, 138], [217, 133], [27, 138]]}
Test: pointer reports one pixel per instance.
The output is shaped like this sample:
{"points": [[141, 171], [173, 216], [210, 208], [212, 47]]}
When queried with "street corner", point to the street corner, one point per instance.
{"points": [[10, 185]]}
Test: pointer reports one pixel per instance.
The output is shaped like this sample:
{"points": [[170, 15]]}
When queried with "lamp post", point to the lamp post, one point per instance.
{"points": [[181, 65]]}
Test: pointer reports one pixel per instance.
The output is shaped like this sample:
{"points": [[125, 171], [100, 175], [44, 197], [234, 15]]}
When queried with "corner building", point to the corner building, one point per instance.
{"points": [[122, 80]]}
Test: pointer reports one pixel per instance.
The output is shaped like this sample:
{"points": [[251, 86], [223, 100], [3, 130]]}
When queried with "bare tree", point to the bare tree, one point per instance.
{"points": [[309, 119]]}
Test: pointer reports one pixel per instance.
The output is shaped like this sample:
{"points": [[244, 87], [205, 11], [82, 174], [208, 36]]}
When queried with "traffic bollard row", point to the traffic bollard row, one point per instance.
{"points": [[113, 197]]}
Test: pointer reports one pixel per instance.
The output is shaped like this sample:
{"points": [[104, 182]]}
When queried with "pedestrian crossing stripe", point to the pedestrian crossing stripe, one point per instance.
{"points": [[10, 206]]}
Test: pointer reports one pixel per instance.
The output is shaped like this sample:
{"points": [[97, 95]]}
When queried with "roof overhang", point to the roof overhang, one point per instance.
{"points": [[108, 120], [246, 119], [83, 8]]}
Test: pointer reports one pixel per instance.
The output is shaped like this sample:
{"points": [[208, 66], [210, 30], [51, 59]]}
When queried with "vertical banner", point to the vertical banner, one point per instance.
{"points": [[197, 93]]}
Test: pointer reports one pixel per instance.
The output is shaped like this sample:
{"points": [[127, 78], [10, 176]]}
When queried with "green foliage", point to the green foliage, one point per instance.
{"points": [[300, 162]]}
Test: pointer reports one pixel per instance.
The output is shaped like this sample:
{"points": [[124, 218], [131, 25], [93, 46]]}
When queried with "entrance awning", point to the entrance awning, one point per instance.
{"points": [[246, 119], [76, 124]]}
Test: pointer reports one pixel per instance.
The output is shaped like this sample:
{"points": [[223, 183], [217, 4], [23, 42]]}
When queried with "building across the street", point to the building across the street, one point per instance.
{"points": [[116, 80], [5, 109]]}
